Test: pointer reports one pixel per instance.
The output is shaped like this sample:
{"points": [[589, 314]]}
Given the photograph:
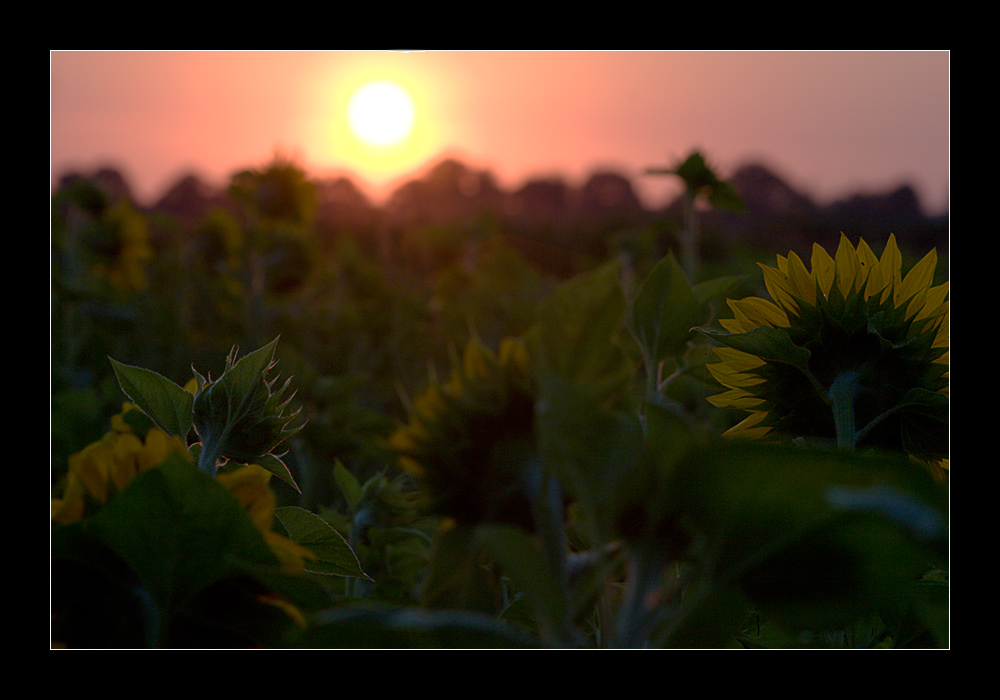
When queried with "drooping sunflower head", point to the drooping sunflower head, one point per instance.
{"points": [[850, 350], [103, 468], [470, 441]]}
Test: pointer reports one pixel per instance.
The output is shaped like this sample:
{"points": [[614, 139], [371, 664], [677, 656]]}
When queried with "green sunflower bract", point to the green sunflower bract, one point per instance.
{"points": [[850, 351]]}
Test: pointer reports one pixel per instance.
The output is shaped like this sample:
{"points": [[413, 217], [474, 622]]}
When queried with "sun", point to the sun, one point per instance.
{"points": [[375, 123], [381, 113]]}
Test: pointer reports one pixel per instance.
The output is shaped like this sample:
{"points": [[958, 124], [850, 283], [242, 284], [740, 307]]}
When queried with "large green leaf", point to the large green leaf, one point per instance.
{"points": [[167, 404], [96, 600], [522, 560], [276, 466], [663, 311], [583, 374], [334, 555], [708, 290], [575, 340], [769, 344], [591, 447], [180, 531], [815, 537]]}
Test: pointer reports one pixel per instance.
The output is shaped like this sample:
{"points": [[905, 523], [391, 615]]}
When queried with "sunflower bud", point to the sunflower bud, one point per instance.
{"points": [[240, 416]]}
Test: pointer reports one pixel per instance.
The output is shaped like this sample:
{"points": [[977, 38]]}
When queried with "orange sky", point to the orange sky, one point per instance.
{"points": [[831, 123]]}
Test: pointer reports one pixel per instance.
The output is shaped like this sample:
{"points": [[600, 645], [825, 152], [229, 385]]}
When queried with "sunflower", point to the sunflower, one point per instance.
{"points": [[470, 440], [850, 351], [103, 468]]}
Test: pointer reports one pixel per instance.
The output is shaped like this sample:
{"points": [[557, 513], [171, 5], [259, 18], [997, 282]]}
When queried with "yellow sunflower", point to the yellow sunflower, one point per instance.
{"points": [[105, 467], [850, 351], [249, 485], [468, 440]]}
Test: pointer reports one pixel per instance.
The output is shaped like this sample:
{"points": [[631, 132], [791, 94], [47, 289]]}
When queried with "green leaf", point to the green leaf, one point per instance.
{"points": [[96, 600], [663, 311], [591, 448], [575, 339], [168, 405], [908, 512], [705, 291], [180, 531], [242, 376], [815, 538], [348, 484], [522, 560], [769, 344], [334, 555], [273, 464]]}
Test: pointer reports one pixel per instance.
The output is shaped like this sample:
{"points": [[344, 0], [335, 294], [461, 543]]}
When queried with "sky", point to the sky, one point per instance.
{"points": [[831, 123]]}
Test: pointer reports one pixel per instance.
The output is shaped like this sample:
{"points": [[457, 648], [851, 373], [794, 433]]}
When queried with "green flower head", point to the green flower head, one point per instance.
{"points": [[241, 416]]}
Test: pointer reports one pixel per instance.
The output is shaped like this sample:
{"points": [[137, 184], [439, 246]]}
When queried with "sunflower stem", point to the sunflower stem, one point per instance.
{"points": [[842, 393], [689, 237], [210, 452]]}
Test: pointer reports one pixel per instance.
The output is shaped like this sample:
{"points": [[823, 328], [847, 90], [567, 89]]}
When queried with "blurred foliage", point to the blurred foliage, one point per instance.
{"points": [[642, 528]]}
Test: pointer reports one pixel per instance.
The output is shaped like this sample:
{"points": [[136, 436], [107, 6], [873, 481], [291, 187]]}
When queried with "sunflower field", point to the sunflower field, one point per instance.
{"points": [[265, 435]]}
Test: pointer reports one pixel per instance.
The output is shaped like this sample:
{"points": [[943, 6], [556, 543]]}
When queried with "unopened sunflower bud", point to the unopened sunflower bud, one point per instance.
{"points": [[240, 416]]}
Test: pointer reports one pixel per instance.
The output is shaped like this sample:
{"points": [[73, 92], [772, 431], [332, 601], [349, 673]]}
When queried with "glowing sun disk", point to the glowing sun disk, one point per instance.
{"points": [[381, 113]]}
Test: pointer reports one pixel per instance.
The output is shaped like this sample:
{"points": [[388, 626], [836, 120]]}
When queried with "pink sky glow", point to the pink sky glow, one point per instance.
{"points": [[830, 123]]}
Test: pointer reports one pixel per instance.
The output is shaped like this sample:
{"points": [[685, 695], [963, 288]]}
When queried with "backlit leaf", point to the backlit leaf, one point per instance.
{"points": [[165, 403], [334, 555]]}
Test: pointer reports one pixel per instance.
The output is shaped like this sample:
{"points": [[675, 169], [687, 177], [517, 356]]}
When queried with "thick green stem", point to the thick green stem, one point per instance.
{"points": [[842, 393], [690, 237], [210, 452]]}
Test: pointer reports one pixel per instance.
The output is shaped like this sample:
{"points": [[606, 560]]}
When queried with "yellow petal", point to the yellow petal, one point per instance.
{"points": [[513, 354], [731, 378], [737, 359], [292, 555], [69, 508], [476, 360], [749, 428], [249, 485], [735, 398], [891, 267], [870, 273], [778, 287], [734, 326], [91, 466], [918, 279], [800, 281], [929, 303], [846, 266], [753, 312], [941, 338], [429, 404], [823, 269], [412, 466]]}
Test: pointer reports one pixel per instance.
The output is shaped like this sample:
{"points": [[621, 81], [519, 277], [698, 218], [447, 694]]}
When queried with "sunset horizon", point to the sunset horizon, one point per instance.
{"points": [[158, 116], [572, 350]]}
